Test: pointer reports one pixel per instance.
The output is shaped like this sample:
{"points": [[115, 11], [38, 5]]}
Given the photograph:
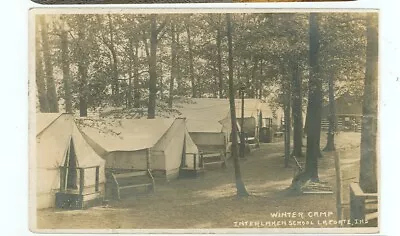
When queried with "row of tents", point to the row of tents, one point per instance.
{"points": [[78, 162]]}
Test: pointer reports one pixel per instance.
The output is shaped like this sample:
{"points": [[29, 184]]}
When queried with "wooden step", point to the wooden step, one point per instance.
{"points": [[135, 186], [191, 168], [213, 162], [130, 174], [208, 155], [317, 192], [372, 216]]}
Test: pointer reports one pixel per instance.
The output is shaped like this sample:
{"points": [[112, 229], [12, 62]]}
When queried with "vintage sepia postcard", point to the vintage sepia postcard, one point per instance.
{"points": [[203, 121]]}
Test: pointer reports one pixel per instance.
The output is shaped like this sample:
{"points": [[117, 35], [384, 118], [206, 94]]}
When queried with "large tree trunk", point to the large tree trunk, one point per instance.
{"points": [[48, 68], [40, 82], [368, 162], [314, 106], [151, 111], [65, 70], [297, 110], [191, 68], [314, 102], [240, 187], [173, 65], [330, 143]]}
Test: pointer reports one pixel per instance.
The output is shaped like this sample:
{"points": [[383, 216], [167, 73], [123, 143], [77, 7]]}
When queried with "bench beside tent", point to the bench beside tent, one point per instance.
{"points": [[69, 174]]}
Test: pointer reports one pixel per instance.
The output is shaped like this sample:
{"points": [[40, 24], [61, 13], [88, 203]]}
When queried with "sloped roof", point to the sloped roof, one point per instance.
{"points": [[211, 109], [190, 145], [129, 134], [218, 109], [53, 138], [44, 120], [194, 125], [206, 114]]}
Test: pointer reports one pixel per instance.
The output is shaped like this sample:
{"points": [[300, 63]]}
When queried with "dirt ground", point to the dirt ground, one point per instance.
{"points": [[209, 201]]}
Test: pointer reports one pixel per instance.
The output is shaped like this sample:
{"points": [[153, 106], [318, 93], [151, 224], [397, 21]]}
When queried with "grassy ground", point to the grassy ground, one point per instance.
{"points": [[210, 202]]}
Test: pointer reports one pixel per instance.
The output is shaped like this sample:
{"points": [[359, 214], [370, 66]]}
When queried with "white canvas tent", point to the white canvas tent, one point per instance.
{"points": [[205, 124], [209, 119], [59, 143], [138, 144], [255, 111]]}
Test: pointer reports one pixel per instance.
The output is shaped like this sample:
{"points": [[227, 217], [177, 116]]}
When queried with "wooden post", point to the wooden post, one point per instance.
{"points": [[242, 141], [201, 160], [338, 186], [62, 177], [81, 180], [194, 161], [357, 203], [148, 158], [67, 168], [96, 186]]}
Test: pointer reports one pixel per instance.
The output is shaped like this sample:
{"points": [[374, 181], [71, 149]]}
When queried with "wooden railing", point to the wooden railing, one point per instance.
{"points": [[358, 203], [64, 170]]}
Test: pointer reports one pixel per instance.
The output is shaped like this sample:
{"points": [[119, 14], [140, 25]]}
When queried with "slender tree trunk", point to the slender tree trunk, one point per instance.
{"points": [[82, 61], [191, 68], [297, 110], [161, 83], [215, 88], [242, 134], [129, 89], [219, 64], [82, 70], [240, 187], [286, 111], [253, 89], [65, 69], [136, 85], [151, 112], [260, 83], [314, 103], [178, 67], [114, 65], [40, 81], [368, 161], [330, 144], [129, 98], [173, 65], [48, 68], [247, 78]]}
